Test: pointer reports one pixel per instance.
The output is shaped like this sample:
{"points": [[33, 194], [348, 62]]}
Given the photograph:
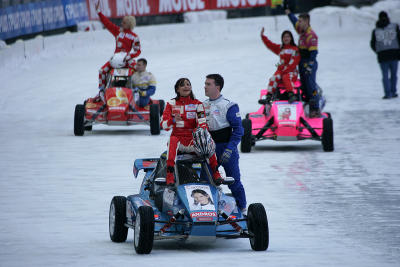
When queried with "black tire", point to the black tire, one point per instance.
{"points": [[144, 230], [257, 224], [161, 103], [117, 219], [154, 119], [88, 128], [79, 117], [246, 143], [327, 135]]}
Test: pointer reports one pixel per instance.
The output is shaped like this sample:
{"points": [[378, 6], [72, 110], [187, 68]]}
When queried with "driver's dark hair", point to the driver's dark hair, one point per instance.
{"points": [[291, 36], [180, 83], [219, 81], [305, 16], [142, 60]]}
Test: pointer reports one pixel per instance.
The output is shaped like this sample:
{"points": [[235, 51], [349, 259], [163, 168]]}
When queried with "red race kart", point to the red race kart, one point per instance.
{"points": [[119, 106]]}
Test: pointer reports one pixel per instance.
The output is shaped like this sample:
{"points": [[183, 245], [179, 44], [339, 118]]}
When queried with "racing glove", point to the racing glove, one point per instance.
{"points": [[226, 156], [309, 67], [142, 93]]}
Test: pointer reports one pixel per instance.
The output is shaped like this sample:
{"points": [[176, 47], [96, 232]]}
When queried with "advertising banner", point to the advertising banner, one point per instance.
{"points": [[120, 8], [37, 17]]}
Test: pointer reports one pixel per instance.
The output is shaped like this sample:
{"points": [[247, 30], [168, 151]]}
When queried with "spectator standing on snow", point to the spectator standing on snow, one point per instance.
{"points": [[385, 41]]}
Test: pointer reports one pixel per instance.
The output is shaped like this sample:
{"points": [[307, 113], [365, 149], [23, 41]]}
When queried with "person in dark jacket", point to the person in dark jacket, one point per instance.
{"points": [[385, 41]]}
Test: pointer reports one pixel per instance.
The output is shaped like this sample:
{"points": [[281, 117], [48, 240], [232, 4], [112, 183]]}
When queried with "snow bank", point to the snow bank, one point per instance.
{"points": [[352, 18], [205, 16]]}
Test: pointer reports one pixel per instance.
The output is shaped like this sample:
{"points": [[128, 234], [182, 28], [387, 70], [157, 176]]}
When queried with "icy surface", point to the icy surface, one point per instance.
{"points": [[324, 209]]}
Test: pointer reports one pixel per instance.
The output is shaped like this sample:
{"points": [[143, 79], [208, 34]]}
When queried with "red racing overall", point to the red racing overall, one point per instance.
{"points": [[191, 115], [126, 40], [287, 69]]}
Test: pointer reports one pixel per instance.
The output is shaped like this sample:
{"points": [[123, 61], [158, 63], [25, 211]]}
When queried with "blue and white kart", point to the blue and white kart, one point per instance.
{"points": [[195, 209]]}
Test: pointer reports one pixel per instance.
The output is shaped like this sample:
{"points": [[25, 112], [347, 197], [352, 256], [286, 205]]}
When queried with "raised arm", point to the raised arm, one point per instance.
{"points": [[111, 27], [275, 48]]}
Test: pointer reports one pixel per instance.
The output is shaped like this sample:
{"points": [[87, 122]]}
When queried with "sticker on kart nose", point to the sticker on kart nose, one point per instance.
{"points": [[199, 197], [287, 112], [119, 98]]}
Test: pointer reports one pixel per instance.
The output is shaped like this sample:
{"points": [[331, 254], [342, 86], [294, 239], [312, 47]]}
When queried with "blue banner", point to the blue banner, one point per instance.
{"points": [[36, 17], [75, 11]]}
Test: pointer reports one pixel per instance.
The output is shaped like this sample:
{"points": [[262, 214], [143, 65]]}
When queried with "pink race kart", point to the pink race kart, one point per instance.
{"points": [[283, 120]]}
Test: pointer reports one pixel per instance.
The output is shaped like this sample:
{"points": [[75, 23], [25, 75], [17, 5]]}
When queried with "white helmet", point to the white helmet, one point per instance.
{"points": [[117, 60], [203, 143]]}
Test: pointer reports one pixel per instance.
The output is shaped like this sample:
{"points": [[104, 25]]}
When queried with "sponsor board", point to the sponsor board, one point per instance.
{"points": [[202, 214], [199, 197], [22, 19], [120, 8]]}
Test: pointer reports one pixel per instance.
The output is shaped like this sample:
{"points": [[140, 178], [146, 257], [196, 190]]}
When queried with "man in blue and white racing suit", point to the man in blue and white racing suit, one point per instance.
{"points": [[225, 126]]}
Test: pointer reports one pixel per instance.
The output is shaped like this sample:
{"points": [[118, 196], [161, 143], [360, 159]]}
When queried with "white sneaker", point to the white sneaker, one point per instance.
{"points": [[244, 211]]}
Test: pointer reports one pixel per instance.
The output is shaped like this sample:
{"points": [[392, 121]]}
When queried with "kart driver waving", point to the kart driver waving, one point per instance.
{"points": [[127, 46], [184, 114], [287, 66], [225, 124]]}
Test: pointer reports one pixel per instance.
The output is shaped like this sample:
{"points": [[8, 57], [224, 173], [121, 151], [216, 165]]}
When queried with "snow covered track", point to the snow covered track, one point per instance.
{"points": [[331, 209]]}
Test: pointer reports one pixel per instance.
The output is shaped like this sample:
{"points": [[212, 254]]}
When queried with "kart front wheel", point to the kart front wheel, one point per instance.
{"points": [[117, 219], [161, 103], [246, 143], [144, 230], [257, 224], [154, 119], [79, 128], [327, 135]]}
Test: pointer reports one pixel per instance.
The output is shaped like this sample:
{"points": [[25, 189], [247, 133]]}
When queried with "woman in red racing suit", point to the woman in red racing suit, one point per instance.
{"points": [[127, 44], [289, 56], [184, 114]]}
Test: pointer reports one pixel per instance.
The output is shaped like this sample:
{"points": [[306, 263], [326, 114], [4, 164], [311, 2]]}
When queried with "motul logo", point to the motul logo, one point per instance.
{"points": [[239, 3], [137, 7], [180, 5]]}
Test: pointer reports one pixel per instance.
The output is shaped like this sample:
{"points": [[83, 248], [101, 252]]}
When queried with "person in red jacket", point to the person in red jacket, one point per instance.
{"points": [[183, 114], [127, 45], [287, 67]]}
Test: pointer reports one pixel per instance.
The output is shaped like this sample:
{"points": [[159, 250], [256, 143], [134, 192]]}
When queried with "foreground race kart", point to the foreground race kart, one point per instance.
{"points": [[120, 106], [282, 120], [195, 209]]}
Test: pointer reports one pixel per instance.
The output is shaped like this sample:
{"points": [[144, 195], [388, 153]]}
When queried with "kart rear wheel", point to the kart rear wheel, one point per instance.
{"points": [[117, 219], [79, 117], [327, 135], [161, 103], [257, 224], [246, 143], [155, 119], [144, 230]]}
